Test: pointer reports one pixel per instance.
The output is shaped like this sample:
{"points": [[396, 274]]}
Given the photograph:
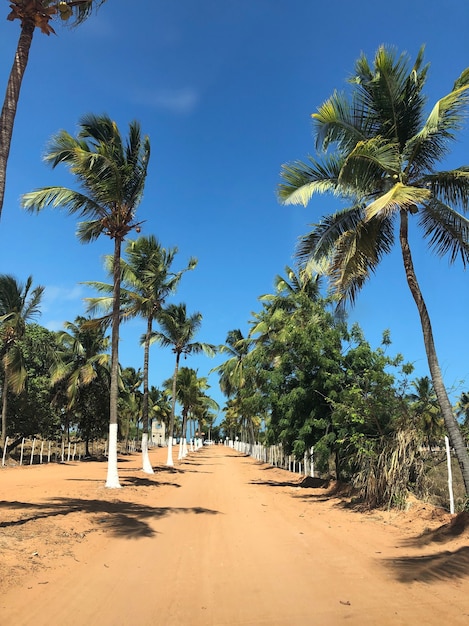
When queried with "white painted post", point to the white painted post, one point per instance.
{"points": [[312, 461], [63, 451], [4, 451], [22, 448], [48, 452], [450, 477], [32, 451], [74, 451], [40, 453], [68, 453]]}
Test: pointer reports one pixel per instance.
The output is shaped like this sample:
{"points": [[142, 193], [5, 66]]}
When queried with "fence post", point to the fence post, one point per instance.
{"points": [[4, 451], [450, 477], [32, 451], [22, 448], [40, 453]]}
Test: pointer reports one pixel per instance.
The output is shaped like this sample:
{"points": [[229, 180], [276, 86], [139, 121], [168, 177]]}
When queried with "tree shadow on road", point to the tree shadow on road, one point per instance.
{"points": [[447, 532], [122, 519], [431, 568]]}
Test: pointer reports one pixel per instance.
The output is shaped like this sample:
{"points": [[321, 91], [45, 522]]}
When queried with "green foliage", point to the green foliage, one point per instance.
{"points": [[31, 412]]}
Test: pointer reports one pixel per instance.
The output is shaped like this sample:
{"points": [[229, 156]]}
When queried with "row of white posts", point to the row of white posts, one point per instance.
{"points": [[275, 456], [38, 450], [45, 450]]}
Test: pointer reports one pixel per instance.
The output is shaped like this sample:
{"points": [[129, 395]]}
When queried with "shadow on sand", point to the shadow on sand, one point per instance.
{"points": [[120, 518]]}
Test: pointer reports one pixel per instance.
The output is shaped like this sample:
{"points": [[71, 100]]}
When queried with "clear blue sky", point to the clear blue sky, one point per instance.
{"points": [[225, 91]]}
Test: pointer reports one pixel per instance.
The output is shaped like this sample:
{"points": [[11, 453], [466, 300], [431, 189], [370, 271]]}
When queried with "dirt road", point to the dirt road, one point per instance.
{"points": [[218, 540]]}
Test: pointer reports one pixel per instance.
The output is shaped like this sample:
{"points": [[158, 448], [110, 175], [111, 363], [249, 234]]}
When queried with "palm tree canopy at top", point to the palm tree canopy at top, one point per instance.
{"points": [[41, 12], [386, 150], [179, 330], [110, 171]]}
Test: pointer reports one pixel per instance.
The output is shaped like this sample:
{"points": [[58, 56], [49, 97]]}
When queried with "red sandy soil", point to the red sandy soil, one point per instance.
{"points": [[219, 539]]}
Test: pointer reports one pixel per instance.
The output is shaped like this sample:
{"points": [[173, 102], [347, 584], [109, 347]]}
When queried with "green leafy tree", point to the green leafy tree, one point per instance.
{"points": [[31, 14], [177, 332], [112, 176], [19, 304], [386, 149], [32, 411]]}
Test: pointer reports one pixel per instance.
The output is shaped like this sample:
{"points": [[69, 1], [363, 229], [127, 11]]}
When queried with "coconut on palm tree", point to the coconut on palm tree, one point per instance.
{"points": [[19, 304], [177, 332], [32, 14], [147, 280], [380, 152], [111, 173]]}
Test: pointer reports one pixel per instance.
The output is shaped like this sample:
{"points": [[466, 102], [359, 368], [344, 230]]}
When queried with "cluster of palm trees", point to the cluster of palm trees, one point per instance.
{"points": [[110, 173]]}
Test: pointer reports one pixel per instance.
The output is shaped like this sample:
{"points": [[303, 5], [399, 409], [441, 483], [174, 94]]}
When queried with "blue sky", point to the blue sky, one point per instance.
{"points": [[225, 91]]}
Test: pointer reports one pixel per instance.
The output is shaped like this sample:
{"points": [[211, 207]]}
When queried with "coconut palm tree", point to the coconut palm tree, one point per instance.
{"points": [[190, 394], [32, 14], [82, 360], [147, 280], [19, 304], [177, 331], [384, 167], [112, 175]]}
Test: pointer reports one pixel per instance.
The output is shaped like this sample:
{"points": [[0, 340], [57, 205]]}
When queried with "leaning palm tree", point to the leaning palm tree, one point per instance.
{"points": [[384, 167], [177, 332], [18, 305], [147, 280], [112, 178], [32, 14]]}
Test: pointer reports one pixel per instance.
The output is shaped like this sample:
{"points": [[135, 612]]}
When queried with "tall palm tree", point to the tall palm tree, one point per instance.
{"points": [[31, 14], [147, 280], [19, 304], [112, 175], [384, 166], [83, 359], [130, 401], [177, 331]]}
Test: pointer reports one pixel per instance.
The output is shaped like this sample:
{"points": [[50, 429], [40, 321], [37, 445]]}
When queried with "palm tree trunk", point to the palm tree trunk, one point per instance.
{"points": [[169, 461], [7, 117], [4, 408], [454, 433], [112, 473], [146, 465]]}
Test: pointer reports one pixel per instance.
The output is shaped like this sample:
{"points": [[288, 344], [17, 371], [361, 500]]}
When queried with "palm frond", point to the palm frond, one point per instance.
{"points": [[302, 180], [398, 197], [320, 242], [56, 197], [446, 230], [451, 187], [368, 163]]}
